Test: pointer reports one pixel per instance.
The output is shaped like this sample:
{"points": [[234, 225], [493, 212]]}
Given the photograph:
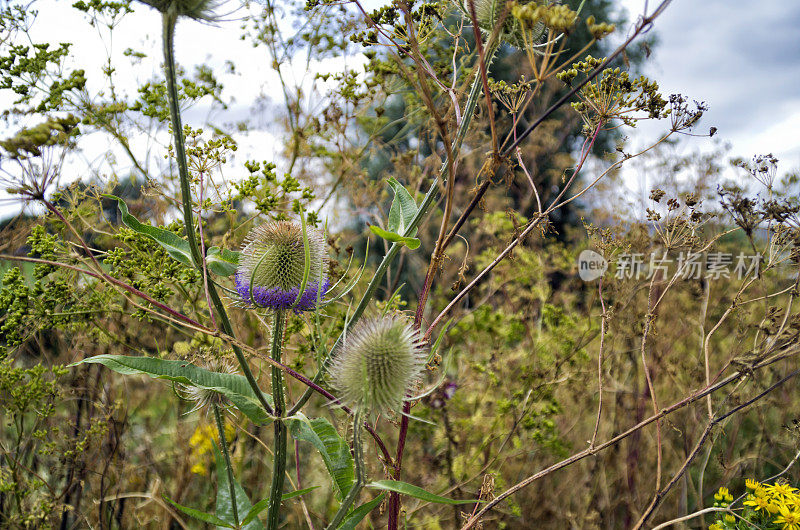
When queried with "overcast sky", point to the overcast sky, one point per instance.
{"points": [[741, 57]]}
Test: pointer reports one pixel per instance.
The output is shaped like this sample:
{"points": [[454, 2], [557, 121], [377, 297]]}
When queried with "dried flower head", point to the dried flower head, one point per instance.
{"points": [[272, 266], [202, 10], [205, 398], [377, 364]]}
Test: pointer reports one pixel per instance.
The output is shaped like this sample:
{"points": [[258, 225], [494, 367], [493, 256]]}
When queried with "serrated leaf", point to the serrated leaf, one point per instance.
{"points": [[410, 242], [224, 505], [405, 488], [333, 449], [233, 386], [355, 517], [222, 262], [176, 246], [197, 514], [403, 209]]}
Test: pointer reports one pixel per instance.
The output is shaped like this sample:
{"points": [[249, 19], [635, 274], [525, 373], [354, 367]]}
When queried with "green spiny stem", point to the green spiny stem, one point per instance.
{"points": [[169, 20], [279, 461], [430, 196], [358, 456], [223, 443]]}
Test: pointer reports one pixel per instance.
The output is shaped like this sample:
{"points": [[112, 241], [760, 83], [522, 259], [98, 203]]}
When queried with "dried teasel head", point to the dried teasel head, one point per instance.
{"points": [[377, 365]]}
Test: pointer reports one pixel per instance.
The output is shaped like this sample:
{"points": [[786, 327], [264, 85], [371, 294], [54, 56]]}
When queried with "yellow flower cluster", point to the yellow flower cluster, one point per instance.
{"points": [[202, 441], [777, 505]]}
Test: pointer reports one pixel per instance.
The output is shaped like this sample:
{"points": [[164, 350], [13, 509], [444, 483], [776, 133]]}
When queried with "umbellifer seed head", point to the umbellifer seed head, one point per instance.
{"points": [[377, 364], [273, 262]]}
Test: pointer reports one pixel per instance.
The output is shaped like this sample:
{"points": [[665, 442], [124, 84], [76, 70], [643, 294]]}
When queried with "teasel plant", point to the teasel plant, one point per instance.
{"points": [[375, 363]]}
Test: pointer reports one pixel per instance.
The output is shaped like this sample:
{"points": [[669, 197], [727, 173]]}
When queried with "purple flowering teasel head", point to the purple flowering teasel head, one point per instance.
{"points": [[378, 363], [272, 265]]}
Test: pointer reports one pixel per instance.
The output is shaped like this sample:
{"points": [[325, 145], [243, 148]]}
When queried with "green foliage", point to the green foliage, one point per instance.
{"points": [[332, 448], [232, 386], [30, 141]]}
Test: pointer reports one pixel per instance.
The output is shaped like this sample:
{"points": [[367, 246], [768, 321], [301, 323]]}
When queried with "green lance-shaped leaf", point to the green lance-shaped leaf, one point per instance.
{"points": [[222, 262], [197, 514], [233, 386], [224, 508], [332, 447], [261, 505], [401, 214], [405, 488], [410, 242], [403, 209], [355, 517], [175, 246]]}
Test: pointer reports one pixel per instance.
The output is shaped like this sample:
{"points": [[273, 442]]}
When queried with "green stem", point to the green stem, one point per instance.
{"points": [[223, 443], [358, 456], [169, 20], [430, 197], [279, 465]]}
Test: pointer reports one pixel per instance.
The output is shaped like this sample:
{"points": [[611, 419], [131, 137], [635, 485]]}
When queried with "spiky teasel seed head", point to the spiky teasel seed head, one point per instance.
{"points": [[273, 262], [202, 10], [377, 364], [519, 31], [205, 398]]}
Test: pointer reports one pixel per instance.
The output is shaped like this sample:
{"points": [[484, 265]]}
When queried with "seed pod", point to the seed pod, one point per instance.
{"points": [[272, 265], [377, 364]]}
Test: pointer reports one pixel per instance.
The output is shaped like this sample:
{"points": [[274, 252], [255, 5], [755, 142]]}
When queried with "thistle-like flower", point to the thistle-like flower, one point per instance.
{"points": [[202, 10], [377, 364], [272, 265]]}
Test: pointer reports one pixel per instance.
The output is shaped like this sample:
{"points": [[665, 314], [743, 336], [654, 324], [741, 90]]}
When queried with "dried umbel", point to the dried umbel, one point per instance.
{"points": [[202, 10], [272, 265], [377, 365]]}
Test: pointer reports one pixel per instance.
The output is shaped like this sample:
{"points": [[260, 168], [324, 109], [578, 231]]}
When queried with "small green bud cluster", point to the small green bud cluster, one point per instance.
{"points": [[380, 360], [614, 95], [599, 30], [557, 17]]}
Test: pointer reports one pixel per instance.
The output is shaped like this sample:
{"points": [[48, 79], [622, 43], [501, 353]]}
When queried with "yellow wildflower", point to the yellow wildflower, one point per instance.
{"points": [[780, 490], [202, 441], [758, 503], [752, 484], [790, 519], [715, 526]]}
